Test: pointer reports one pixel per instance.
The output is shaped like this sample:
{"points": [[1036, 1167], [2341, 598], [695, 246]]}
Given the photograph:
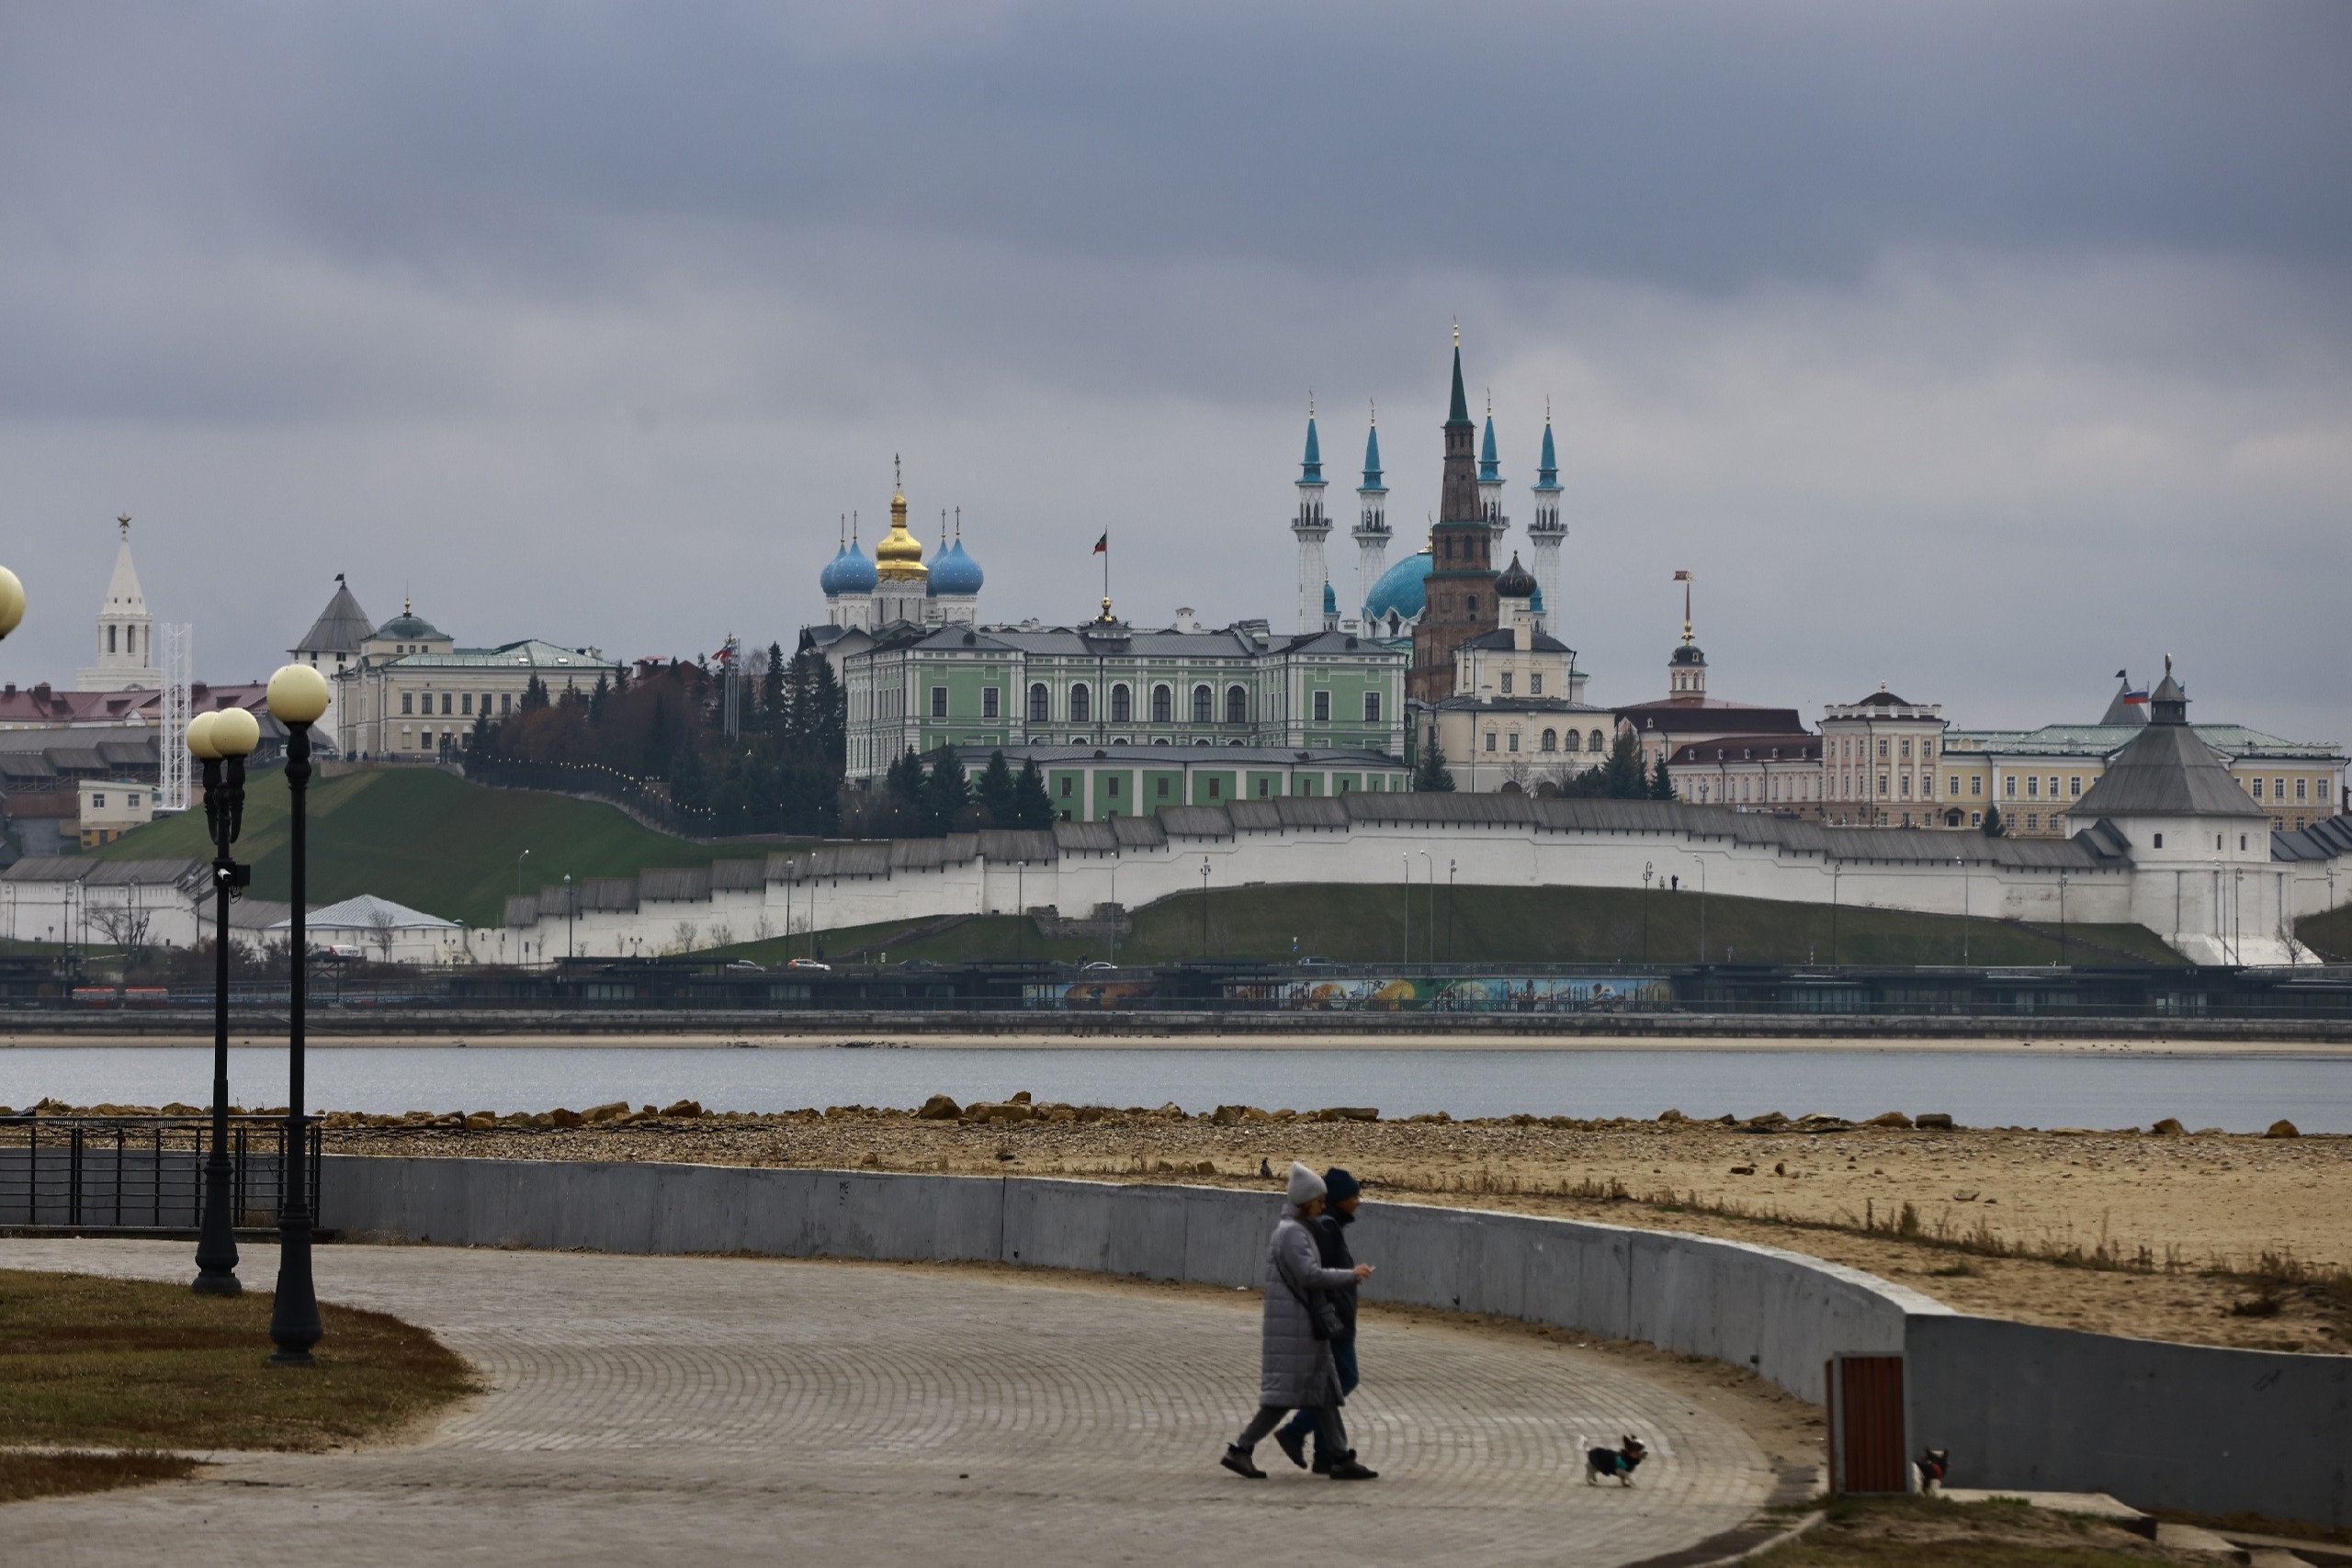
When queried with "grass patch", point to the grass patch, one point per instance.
{"points": [[2329, 935], [1505, 925], [428, 839], [26, 1476], [1865, 1532], [102, 1363]]}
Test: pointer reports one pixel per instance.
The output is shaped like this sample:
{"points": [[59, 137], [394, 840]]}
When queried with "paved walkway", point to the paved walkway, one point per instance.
{"points": [[715, 1411]]}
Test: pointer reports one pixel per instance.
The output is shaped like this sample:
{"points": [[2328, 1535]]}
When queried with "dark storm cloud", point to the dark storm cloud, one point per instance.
{"points": [[2042, 293]]}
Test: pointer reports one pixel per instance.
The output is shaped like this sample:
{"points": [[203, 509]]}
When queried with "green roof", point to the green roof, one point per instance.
{"points": [[2107, 739]]}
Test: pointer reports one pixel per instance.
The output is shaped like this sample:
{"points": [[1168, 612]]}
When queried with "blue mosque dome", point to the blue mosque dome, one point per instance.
{"points": [[1403, 588], [1330, 601], [954, 571], [848, 572]]}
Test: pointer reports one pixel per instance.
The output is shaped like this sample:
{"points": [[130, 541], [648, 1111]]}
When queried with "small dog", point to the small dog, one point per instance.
{"points": [[1619, 1463], [1934, 1465]]}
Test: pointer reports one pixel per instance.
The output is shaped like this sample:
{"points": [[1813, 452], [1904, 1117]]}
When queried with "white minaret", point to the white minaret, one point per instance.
{"points": [[1546, 533], [1371, 522], [126, 631], [1312, 528]]}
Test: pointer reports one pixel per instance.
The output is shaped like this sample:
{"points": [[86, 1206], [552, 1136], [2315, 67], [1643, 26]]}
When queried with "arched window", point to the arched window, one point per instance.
{"points": [[1237, 705], [1121, 705], [1551, 740], [1598, 743], [1163, 706], [1576, 741], [1203, 705], [110, 632], [1082, 704], [1040, 705]]}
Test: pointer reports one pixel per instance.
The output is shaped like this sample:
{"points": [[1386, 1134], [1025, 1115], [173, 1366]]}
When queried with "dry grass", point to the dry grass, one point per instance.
{"points": [[1932, 1533], [88, 1362]]}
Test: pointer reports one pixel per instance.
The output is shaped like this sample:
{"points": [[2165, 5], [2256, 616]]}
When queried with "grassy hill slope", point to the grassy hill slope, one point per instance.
{"points": [[428, 839], [1507, 925]]}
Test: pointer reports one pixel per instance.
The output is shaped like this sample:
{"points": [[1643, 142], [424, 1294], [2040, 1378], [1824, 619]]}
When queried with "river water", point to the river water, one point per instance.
{"points": [[2060, 1087]]}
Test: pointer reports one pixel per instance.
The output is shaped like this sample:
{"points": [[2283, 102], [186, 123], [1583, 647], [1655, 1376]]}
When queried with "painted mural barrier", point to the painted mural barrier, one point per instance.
{"points": [[1481, 993]]}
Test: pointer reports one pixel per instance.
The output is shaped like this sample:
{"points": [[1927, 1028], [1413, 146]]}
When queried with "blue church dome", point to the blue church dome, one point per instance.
{"points": [[1403, 588], [848, 572], [955, 571]]}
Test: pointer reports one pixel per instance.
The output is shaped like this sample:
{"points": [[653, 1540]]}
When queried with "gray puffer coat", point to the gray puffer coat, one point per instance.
{"points": [[1296, 1368]]}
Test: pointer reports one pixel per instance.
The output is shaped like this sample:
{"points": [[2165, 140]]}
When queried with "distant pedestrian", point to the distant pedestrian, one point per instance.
{"points": [[1342, 1193], [1296, 1367]]}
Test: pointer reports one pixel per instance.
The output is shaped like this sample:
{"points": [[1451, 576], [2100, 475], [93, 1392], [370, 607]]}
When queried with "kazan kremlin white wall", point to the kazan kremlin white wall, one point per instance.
{"points": [[2227, 907]]}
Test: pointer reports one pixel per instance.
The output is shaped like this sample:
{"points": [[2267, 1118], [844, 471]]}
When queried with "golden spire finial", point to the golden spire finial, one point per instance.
{"points": [[1547, 408], [1375, 403], [1457, 332], [943, 528], [898, 485], [959, 523]]}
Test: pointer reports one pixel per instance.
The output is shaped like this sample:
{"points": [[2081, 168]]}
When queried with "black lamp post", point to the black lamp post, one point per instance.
{"points": [[298, 698], [220, 741]]}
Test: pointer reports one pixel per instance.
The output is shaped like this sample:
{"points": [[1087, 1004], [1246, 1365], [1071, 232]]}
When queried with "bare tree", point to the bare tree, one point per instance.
{"points": [[126, 928], [379, 931]]}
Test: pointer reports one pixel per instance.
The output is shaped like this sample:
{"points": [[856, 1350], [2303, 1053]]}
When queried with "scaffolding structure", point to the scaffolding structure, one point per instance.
{"points": [[179, 643]]}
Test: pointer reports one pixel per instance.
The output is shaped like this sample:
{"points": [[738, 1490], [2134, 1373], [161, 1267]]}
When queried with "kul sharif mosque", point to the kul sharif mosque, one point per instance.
{"points": [[896, 586]]}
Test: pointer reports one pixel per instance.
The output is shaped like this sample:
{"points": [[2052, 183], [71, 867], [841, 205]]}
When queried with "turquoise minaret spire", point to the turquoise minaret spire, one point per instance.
{"points": [[1546, 534], [1310, 527], [1372, 521], [1490, 476]]}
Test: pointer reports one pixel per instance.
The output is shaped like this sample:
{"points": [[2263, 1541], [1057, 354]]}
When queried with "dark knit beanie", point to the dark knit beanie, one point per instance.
{"points": [[1340, 1185]]}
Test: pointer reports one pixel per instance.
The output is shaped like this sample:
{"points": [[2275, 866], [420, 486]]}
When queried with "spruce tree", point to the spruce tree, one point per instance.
{"points": [[1431, 776], [1661, 785], [535, 696], [1994, 826], [995, 789], [596, 699], [1623, 777], [1032, 807], [945, 794], [904, 782], [773, 714]]}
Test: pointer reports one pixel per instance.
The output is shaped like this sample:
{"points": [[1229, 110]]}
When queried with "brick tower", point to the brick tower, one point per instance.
{"points": [[1461, 584]]}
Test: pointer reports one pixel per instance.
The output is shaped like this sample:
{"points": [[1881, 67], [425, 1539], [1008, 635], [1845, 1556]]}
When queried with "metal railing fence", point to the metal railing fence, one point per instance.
{"points": [[143, 1175]]}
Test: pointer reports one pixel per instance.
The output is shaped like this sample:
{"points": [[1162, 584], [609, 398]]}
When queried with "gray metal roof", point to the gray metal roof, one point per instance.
{"points": [[2166, 771], [2323, 840], [341, 627], [1131, 755]]}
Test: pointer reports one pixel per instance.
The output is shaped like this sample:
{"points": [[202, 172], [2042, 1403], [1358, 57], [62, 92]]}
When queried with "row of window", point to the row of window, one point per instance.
{"points": [[463, 701], [2279, 789], [1846, 747], [1551, 740], [1081, 705], [1535, 682]]}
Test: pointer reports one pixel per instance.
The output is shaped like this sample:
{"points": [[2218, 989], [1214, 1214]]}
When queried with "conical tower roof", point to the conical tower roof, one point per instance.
{"points": [[1491, 470], [1459, 413], [2166, 771], [124, 596], [1371, 461], [1547, 468], [1310, 467], [341, 627]]}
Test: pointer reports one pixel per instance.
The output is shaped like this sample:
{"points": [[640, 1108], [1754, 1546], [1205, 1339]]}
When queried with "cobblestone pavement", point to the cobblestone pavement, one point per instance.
{"points": [[724, 1410]]}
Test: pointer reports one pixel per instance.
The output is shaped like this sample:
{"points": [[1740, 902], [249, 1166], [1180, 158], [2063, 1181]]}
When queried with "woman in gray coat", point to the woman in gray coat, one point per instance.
{"points": [[1296, 1370]]}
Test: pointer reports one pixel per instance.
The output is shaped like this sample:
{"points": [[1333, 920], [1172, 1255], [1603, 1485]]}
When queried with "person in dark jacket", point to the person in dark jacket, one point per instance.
{"points": [[1296, 1369], [1342, 1193]]}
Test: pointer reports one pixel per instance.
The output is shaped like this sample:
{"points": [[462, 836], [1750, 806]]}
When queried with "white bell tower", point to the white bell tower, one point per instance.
{"points": [[126, 660]]}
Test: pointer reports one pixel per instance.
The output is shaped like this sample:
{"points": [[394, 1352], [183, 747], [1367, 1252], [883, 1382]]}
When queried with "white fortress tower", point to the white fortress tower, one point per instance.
{"points": [[126, 631], [1371, 522], [1546, 533], [1312, 528]]}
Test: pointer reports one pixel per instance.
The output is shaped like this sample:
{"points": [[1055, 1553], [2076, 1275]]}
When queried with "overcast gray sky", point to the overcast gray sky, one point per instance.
{"points": [[1977, 349]]}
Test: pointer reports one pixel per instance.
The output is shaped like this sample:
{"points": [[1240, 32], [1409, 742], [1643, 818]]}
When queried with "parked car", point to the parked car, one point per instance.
{"points": [[745, 964], [817, 965], [1098, 963]]}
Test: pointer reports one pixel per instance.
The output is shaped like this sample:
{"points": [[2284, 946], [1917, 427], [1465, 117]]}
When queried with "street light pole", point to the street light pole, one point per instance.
{"points": [[220, 741], [1407, 956], [1432, 932], [1646, 873], [297, 696], [1701, 863], [2061, 919], [1204, 909], [568, 906]]}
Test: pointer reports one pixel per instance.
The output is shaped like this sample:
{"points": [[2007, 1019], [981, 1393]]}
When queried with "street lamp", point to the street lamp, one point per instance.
{"points": [[1646, 874], [1407, 858], [298, 698], [1701, 862], [1204, 909], [12, 602], [1432, 860], [568, 909], [221, 741], [518, 872], [2061, 919]]}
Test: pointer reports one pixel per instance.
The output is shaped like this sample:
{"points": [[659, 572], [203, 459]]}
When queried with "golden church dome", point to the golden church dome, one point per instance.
{"points": [[898, 557]]}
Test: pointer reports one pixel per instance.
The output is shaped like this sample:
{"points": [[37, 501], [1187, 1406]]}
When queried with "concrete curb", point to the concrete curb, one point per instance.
{"points": [[1732, 1546]]}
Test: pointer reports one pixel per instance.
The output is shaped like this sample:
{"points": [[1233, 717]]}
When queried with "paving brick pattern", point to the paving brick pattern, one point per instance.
{"points": [[706, 1410]]}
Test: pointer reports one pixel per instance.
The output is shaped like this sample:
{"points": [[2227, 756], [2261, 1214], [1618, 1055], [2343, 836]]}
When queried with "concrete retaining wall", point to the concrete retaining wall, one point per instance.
{"points": [[1778, 1314], [2157, 1424], [2192, 1426]]}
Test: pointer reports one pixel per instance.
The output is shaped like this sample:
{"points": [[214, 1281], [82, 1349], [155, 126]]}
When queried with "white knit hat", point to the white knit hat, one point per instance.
{"points": [[1304, 1185]]}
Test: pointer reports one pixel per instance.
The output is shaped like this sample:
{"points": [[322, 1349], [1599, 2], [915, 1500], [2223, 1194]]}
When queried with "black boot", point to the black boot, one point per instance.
{"points": [[1236, 1460], [1294, 1445], [1349, 1469]]}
